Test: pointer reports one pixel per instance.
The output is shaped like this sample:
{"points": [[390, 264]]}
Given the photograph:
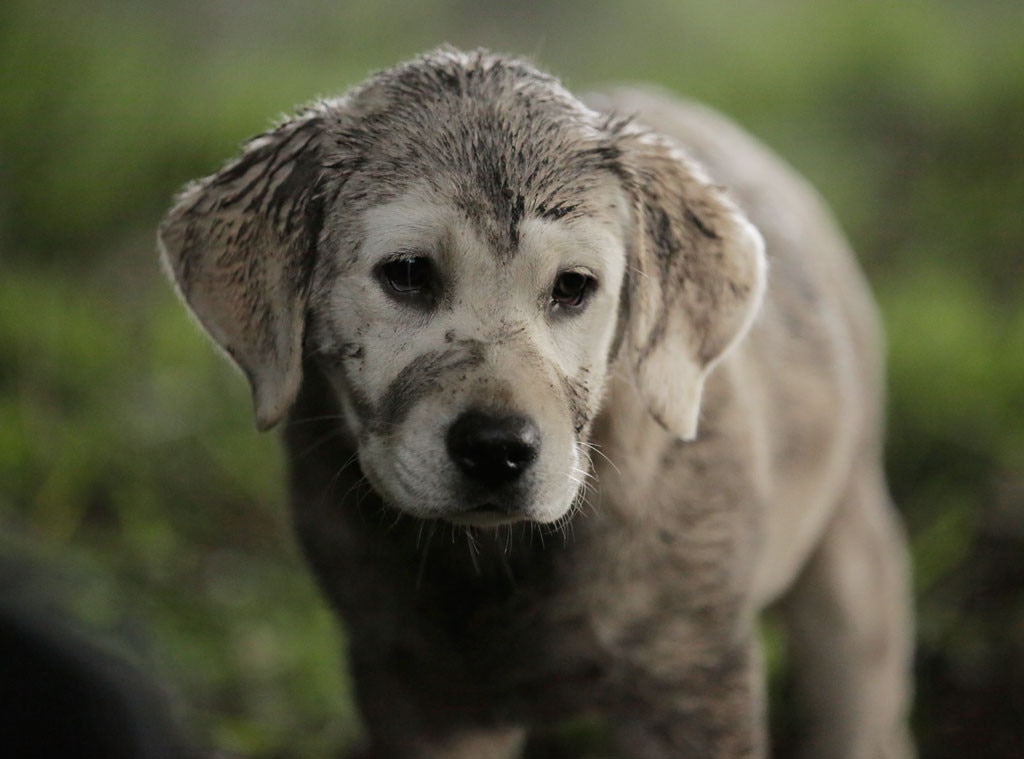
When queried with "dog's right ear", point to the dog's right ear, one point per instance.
{"points": [[240, 246]]}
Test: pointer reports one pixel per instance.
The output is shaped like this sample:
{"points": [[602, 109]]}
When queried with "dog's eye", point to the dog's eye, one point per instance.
{"points": [[571, 289], [408, 275]]}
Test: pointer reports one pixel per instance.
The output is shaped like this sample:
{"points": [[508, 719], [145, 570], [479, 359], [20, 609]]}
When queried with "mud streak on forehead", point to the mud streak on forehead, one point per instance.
{"points": [[509, 174], [502, 141], [496, 202]]}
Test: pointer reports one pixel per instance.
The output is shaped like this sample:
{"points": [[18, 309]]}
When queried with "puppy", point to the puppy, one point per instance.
{"points": [[573, 392]]}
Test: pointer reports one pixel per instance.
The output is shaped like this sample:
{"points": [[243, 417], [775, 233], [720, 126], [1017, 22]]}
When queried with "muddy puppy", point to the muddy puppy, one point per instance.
{"points": [[571, 392]]}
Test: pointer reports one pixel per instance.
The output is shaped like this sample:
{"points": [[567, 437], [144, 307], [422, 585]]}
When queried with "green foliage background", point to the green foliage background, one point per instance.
{"points": [[129, 468]]}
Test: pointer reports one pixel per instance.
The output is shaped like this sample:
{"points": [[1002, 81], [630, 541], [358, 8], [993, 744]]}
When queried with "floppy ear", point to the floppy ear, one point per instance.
{"points": [[697, 278], [240, 247]]}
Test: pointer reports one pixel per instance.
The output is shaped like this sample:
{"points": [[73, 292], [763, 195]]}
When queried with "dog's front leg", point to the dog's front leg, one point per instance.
{"points": [[713, 712], [850, 631]]}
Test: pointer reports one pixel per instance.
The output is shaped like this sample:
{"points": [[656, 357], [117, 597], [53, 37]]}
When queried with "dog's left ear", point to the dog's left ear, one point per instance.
{"points": [[697, 277], [240, 246]]}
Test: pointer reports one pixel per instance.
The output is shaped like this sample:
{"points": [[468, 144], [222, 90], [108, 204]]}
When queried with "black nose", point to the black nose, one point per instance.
{"points": [[493, 450]]}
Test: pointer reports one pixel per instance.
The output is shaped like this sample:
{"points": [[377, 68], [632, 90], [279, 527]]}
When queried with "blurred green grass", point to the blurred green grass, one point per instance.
{"points": [[127, 452]]}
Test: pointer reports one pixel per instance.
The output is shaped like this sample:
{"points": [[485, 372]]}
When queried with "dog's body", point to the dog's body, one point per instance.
{"points": [[460, 282]]}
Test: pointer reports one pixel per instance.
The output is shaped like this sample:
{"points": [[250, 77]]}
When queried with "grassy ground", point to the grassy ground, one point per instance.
{"points": [[128, 462]]}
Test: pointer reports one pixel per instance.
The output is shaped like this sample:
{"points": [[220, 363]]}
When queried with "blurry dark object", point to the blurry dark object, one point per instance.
{"points": [[63, 695]]}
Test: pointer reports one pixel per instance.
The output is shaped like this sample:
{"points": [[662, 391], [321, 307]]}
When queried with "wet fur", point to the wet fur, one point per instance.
{"points": [[711, 442]]}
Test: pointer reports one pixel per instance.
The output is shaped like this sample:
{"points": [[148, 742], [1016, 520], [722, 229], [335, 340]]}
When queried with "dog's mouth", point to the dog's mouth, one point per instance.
{"points": [[487, 515]]}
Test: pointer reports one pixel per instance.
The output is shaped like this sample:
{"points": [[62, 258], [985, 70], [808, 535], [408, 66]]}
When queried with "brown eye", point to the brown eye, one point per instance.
{"points": [[409, 275], [571, 289]]}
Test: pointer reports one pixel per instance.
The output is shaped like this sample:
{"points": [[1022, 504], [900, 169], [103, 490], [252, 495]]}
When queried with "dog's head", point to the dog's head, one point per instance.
{"points": [[467, 251]]}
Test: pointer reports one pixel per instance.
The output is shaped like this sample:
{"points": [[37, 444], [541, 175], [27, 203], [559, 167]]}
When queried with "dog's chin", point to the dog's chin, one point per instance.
{"points": [[489, 514], [473, 509], [486, 518], [499, 514]]}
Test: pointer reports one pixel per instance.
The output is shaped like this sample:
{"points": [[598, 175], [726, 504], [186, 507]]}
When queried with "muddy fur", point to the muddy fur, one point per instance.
{"points": [[571, 393]]}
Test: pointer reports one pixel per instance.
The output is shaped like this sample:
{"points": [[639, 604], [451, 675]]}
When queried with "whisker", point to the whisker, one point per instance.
{"points": [[292, 422], [591, 448], [395, 522], [334, 480], [474, 549], [317, 443], [421, 571]]}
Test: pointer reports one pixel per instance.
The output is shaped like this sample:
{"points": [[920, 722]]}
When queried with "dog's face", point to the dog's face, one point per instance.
{"points": [[470, 365], [467, 252]]}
